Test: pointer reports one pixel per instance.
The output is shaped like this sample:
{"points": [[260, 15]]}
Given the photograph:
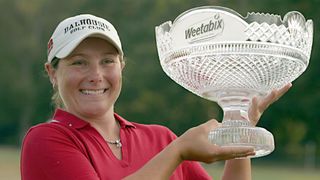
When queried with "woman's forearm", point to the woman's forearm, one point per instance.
{"points": [[239, 169], [194, 145], [161, 166]]}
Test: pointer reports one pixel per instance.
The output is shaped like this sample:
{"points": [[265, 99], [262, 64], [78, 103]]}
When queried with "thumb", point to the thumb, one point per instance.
{"points": [[210, 125]]}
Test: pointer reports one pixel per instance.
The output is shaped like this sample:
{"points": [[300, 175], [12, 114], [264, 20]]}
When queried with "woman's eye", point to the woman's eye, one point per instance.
{"points": [[107, 61], [78, 62]]}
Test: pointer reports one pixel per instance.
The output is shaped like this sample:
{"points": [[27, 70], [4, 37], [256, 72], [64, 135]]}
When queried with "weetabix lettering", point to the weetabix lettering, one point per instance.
{"points": [[210, 27]]}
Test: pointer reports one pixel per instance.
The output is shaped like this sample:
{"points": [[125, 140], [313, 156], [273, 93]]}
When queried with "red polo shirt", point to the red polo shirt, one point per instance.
{"points": [[69, 148]]}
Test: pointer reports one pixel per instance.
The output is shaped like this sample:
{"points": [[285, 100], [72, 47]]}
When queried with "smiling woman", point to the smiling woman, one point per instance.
{"points": [[87, 140], [89, 79]]}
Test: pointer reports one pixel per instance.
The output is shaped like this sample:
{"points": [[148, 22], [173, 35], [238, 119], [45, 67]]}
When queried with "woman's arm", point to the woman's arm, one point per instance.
{"points": [[240, 169], [192, 145], [161, 166]]}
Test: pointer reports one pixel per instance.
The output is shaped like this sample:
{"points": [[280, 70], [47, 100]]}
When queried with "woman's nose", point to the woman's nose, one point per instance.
{"points": [[95, 74]]}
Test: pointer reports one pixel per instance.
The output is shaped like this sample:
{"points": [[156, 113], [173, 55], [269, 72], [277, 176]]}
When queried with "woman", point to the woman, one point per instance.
{"points": [[87, 140]]}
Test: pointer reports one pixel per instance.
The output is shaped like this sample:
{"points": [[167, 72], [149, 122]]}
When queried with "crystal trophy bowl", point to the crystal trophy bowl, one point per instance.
{"points": [[219, 55]]}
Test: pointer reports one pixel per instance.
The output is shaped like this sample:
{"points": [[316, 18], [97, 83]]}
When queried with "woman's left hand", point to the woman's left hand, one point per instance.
{"points": [[260, 104]]}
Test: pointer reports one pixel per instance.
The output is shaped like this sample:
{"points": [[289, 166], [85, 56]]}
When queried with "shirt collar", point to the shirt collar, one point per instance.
{"points": [[76, 122], [123, 123]]}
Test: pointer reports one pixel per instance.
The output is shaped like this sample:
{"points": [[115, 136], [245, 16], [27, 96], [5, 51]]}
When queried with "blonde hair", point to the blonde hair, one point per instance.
{"points": [[56, 99]]}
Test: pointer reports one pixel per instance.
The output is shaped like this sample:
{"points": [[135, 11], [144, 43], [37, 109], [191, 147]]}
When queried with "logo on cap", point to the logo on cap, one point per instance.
{"points": [[86, 23], [50, 45]]}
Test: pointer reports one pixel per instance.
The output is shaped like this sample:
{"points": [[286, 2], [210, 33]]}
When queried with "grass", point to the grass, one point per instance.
{"points": [[269, 171], [9, 163], [9, 169]]}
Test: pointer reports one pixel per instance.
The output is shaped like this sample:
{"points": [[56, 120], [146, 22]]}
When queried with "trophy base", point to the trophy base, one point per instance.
{"points": [[243, 135]]}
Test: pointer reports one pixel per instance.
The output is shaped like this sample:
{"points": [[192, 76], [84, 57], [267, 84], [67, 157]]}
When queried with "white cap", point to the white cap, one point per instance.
{"points": [[71, 31]]}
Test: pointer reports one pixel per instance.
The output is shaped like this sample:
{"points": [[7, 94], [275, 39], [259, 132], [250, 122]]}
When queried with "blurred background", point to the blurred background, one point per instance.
{"points": [[148, 95]]}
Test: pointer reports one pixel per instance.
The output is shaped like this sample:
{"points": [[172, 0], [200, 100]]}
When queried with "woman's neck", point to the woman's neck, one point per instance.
{"points": [[104, 122], [107, 126]]}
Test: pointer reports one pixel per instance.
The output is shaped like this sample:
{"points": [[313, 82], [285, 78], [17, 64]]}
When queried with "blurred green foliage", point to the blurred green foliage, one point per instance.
{"points": [[148, 95]]}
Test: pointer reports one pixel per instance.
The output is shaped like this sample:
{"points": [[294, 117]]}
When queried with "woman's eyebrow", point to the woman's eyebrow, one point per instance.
{"points": [[110, 53]]}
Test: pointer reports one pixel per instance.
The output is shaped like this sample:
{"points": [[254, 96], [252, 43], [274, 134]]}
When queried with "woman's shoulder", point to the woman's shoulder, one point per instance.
{"points": [[151, 126], [49, 125], [47, 130], [51, 135], [155, 129], [136, 125]]}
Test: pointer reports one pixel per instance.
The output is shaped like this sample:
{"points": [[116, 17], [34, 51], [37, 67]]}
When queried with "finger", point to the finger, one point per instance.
{"points": [[272, 97], [254, 111], [238, 156], [212, 124], [242, 155], [283, 90], [267, 100], [236, 151]]}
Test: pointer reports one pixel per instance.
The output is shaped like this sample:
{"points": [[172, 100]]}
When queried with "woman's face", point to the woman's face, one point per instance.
{"points": [[89, 79]]}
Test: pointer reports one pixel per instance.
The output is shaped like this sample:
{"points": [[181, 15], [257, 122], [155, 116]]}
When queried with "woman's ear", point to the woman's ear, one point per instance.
{"points": [[123, 62], [51, 73]]}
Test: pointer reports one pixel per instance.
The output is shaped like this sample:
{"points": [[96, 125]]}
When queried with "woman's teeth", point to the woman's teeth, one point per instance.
{"points": [[93, 92]]}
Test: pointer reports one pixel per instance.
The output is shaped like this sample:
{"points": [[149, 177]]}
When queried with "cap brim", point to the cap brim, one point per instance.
{"points": [[67, 49]]}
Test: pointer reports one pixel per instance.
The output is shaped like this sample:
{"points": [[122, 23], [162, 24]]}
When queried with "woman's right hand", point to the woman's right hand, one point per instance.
{"points": [[195, 145]]}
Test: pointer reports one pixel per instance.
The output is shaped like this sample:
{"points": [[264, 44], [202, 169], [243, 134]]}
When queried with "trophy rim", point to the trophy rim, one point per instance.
{"points": [[208, 8], [293, 23], [250, 17]]}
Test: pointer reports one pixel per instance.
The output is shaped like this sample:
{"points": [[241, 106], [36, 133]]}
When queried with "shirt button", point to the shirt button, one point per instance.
{"points": [[70, 124]]}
